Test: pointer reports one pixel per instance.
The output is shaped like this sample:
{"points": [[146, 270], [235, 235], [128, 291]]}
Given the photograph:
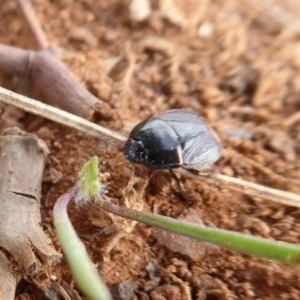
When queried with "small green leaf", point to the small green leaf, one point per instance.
{"points": [[89, 184]]}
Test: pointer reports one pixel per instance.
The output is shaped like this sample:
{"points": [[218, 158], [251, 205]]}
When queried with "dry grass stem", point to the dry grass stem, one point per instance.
{"points": [[62, 117], [248, 188], [31, 19], [59, 116]]}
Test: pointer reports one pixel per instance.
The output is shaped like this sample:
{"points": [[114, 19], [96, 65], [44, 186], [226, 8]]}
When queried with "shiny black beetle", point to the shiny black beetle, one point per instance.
{"points": [[173, 139]]}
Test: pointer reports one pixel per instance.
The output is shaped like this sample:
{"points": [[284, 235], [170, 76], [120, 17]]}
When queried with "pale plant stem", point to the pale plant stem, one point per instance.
{"points": [[33, 23], [248, 188], [59, 116], [83, 269], [62, 117]]}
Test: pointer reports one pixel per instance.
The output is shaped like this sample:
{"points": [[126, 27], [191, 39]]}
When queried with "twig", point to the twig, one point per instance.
{"points": [[54, 114], [30, 18], [59, 116], [256, 190], [248, 188], [292, 184]]}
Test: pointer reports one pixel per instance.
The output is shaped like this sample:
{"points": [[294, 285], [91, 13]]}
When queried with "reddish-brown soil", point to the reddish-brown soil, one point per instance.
{"points": [[226, 60]]}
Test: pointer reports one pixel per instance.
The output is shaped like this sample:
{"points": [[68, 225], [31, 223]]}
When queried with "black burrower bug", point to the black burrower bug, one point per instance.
{"points": [[173, 139]]}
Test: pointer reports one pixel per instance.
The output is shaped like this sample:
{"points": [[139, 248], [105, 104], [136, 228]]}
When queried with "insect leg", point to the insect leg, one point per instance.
{"points": [[186, 194]]}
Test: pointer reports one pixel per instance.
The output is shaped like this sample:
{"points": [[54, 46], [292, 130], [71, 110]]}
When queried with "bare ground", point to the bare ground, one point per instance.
{"points": [[233, 63]]}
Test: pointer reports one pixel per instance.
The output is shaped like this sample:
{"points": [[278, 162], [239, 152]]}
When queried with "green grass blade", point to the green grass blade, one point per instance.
{"points": [[247, 244]]}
